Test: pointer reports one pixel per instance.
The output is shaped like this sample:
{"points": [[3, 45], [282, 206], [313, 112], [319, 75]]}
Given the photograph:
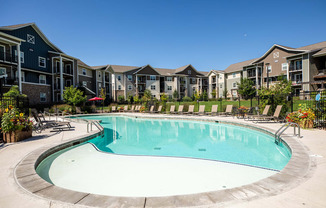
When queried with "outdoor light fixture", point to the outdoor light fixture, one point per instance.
{"points": [[267, 64]]}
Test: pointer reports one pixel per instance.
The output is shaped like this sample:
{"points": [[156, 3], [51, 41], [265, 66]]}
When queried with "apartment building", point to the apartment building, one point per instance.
{"points": [[304, 66], [40, 69], [133, 80]]}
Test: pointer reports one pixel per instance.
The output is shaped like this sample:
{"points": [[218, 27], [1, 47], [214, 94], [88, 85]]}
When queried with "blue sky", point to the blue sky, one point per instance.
{"points": [[169, 34]]}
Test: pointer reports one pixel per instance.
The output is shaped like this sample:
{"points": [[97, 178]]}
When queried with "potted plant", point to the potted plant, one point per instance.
{"points": [[304, 117], [15, 126]]}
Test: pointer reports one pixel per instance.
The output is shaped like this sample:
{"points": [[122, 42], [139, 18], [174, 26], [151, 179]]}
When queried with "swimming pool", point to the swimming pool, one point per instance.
{"points": [[189, 157], [194, 139]]}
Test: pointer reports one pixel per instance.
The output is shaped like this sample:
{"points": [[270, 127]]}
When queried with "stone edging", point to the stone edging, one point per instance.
{"points": [[298, 170]]}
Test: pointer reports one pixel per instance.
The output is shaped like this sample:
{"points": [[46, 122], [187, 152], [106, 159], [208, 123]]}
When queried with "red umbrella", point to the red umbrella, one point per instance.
{"points": [[95, 99]]}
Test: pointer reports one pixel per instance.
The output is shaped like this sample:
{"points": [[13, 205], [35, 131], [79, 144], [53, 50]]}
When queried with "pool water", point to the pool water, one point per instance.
{"points": [[191, 139]]}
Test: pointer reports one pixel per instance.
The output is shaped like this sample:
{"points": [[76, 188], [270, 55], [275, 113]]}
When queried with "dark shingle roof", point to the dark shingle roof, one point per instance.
{"points": [[238, 66]]}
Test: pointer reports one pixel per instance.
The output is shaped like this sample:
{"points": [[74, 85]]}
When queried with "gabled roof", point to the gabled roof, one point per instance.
{"points": [[278, 46], [122, 69], [41, 34], [180, 69], [205, 73], [165, 72], [238, 66], [313, 46], [143, 67], [80, 63], [214, 72], [322, 52]]}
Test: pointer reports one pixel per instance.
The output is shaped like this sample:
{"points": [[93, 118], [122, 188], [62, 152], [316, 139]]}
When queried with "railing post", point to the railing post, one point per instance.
{"points": [[291, 98]]}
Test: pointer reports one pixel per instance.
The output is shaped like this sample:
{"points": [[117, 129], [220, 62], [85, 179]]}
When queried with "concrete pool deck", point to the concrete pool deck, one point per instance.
{"points": [[306, 188]]}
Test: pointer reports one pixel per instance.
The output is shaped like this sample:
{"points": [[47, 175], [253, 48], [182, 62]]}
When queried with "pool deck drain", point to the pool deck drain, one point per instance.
{"points": [[291, 187]]}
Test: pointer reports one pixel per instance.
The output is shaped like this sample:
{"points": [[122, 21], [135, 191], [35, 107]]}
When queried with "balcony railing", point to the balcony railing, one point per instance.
{"points": [[4, 56], [293, 69], [65, 71]]}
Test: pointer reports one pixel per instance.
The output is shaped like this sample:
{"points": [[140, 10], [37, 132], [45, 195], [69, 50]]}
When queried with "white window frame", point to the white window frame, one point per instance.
{"points": [[169, 88], [23, 76], [234, 84], [153, 87], [285, 66], [66, 67], [45, 98], [30, 39], [152, 77], [129, 87], [5, 70], [269, 69], [84, 72], [129, 77], [234, 92], [234, 75], [39, 61], [68, 80], [119, 77], [119, 87], [99, 74], [84, 83], [189, 71], [169, 79], [221, 86], [22, 56], [43, 76], [100, 85]]}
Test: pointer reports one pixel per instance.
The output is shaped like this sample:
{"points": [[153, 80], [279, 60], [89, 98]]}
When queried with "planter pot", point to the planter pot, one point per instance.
{"points": [[307, 124], [16, 136]]}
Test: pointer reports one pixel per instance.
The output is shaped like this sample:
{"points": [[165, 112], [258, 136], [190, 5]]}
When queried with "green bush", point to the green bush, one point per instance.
{"points": [[186, 99]]}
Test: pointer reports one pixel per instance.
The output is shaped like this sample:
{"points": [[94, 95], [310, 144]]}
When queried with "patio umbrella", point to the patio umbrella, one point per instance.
{"points": [[95, 99]]}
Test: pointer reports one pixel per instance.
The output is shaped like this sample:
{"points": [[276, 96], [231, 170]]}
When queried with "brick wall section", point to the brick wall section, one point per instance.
{"points": [[33, 93]]}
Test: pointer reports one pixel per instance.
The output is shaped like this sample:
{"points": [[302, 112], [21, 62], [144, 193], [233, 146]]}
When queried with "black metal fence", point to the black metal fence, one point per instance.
{"points": [[22, 103]]}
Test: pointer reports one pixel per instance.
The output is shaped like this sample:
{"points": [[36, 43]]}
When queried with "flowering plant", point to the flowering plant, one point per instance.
{"points": [[142, 109], [120, 108], [243, 109], [304, 116], [13, 120]]}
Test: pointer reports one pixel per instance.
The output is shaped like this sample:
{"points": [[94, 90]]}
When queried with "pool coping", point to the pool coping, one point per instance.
{"points": [[300, 168]]}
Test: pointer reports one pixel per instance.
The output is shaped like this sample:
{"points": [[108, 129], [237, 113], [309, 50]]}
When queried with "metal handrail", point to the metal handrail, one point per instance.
{"points": [[284, 127], [96, 123]]}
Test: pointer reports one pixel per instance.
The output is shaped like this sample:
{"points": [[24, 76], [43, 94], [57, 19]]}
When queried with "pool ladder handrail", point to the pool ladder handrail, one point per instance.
{"points": [[284, 127], [96, 123]]}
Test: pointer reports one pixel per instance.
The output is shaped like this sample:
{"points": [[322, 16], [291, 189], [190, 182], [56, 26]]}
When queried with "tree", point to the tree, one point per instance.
{"points": [[14, 92], [146, 97], [164, 98], [136, 99], [205, 96], [103, 96], [225, 93], [175, 94], [245, 88], [213, 93], [73, 96]]}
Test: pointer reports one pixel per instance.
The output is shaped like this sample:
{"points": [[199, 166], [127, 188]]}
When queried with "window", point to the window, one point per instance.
{"points": [[298, 65], [153, 87], [21, 56], [194, 89], [84, 71], [68, 82], [220, 77], [2, 71], [269, 69], [30, 39], [129, 87], [169, 79], [99, 85], [68, 68], [233, 75], [41, 62], [189, 72], [42, 79], [153, 96], [130, 77], [221, 86], [119, 77], [234, 84], [152, 77], [99, 74], [284, 66], [169, 88], [42, 97], [119, 87], [23, 76], [234, 92], [84, 84]]}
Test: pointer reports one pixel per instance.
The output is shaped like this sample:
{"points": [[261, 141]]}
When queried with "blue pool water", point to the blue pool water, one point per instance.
{"points": [[195, 139]]}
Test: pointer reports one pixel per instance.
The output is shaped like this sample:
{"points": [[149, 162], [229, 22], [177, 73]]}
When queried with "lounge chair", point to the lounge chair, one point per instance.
{"points": [[137, 108], [228, 111], [114, 109], [78, 110], [158, 110], [180, 110], [125, 108], [201, 110], [56, 125], [274, 117], [132, 108], [190, 110], [151, 109], [265, 113], [172, 109], [214, 110]]}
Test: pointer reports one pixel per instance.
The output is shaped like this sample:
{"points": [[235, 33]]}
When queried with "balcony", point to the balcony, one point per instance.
{"points": [[7, 57], [321, 74], [65, 71], [107, 79]]}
